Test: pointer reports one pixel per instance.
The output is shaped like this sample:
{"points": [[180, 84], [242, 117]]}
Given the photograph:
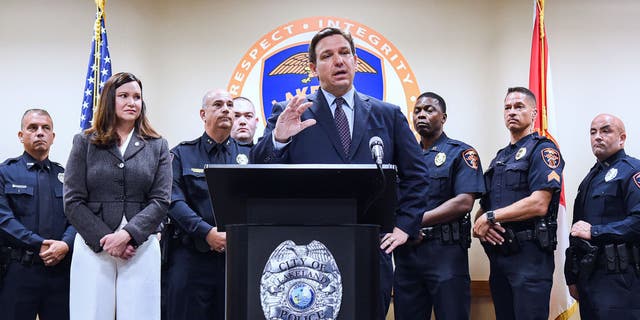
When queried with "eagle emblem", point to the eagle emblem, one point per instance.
{"points": [[299, 64]]}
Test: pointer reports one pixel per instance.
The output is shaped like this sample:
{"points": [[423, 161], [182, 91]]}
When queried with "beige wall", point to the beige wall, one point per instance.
{"points": [[468, 51]]}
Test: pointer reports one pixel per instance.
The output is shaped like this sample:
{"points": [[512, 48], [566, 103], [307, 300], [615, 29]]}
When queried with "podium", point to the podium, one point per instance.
{"points": [[302, 240]]}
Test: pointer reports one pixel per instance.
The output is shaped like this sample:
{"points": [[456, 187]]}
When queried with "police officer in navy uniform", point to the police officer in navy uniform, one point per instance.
{"points": [[435, 271], [195, 273], [246, 121], [517, 219], [604, 266], [35, 236]]}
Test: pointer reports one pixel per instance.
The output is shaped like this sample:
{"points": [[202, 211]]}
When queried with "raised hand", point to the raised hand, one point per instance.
{"points": [[289, 123]]}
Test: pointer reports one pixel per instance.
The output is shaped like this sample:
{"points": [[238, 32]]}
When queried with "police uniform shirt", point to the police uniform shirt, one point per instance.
{"points": [[190, 204], [609, 199], [533, 163], [454, 168], [24, 221]]}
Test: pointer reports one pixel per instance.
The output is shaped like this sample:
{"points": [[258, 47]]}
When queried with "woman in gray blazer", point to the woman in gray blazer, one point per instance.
{"points": [[116, 192]]}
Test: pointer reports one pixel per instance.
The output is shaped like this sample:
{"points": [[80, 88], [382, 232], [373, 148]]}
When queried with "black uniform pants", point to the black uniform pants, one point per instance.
{"points": [[521, 283], [195, 285], [610, 295], [431, 275], [30, 290]]}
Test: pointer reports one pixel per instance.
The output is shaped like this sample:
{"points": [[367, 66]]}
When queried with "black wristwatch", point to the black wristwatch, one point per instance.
{"points": [[491, 217]]}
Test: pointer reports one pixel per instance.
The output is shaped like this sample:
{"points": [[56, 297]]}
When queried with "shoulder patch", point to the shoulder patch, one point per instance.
{"points": [[551, 157], [471, 158], [636, 179]]}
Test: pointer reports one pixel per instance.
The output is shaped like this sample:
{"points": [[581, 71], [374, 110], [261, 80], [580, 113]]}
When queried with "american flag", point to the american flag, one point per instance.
{"points": [[99, 69]]}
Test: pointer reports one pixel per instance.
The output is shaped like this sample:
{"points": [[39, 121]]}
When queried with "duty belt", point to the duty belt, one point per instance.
{"points": [[526, 235], [429, 233], [618, 258], [443, 232], [25, 257]]}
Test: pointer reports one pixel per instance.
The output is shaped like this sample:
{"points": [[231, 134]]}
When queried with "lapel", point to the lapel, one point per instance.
{"points": [[135, 145], [322, 114], [115, 152], [361, 112]]}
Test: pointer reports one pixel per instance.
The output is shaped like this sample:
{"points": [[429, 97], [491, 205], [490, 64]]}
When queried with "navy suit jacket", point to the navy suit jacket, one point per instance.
{"points": [[320, 144]]}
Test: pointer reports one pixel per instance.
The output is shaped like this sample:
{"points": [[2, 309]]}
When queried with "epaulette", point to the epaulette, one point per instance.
{"points": [[632, 162], [12, 160], [56, 164], [455, 142], [194, 141]]}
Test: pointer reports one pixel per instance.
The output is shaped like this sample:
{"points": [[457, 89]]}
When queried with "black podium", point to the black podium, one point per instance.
{"points": [[302, 240]]}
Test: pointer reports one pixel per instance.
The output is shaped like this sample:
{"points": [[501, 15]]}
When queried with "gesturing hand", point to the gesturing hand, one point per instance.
{"points": [[289, 123]]}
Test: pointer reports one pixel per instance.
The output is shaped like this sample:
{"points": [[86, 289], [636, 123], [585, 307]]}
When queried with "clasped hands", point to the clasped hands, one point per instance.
{"points": [[53, 251], [117, 244], [486, 231]]}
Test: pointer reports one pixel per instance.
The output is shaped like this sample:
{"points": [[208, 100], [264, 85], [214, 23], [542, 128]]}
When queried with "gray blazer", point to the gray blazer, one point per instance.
{"points": [[100, 185]]}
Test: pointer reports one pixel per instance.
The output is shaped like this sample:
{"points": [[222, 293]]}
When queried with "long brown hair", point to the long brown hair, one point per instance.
{"points": [[105, 119]]}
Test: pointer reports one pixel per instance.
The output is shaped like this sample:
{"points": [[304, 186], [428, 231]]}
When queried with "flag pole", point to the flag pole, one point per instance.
{"points": [[543, 76], [96, 53]]}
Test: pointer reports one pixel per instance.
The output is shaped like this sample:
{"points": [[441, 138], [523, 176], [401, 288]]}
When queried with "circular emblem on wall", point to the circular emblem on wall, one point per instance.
{"points": [[276, 67], [301, 282]]}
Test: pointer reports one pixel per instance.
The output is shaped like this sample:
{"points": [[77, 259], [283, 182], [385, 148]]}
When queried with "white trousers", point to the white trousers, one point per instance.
{"points": [[107, 288]]}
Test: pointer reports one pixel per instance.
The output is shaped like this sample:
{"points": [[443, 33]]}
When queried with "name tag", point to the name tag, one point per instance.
{"points": [[21, 186], [197, 170]]}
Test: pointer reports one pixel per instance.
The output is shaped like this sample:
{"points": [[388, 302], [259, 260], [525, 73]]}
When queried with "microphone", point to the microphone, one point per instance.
{"points": [[377, 149]]}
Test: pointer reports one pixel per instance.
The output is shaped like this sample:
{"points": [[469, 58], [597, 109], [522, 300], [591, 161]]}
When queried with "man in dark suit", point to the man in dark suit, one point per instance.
{"points": [[346, 120], [195, 273], [35, 236]]}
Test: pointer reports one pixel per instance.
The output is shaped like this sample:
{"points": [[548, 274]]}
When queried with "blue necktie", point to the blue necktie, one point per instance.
{"points": [[342, 124]]}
